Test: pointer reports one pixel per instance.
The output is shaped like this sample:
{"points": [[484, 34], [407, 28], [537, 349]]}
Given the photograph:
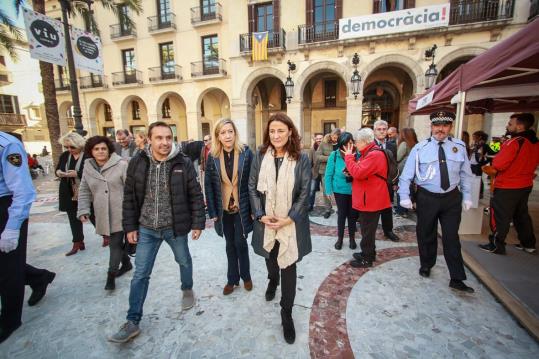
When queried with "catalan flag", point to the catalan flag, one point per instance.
{"points": [[260, 46]]}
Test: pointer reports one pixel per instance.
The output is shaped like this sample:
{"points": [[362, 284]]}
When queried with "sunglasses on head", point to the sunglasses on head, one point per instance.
{"points": [[71, 147]]}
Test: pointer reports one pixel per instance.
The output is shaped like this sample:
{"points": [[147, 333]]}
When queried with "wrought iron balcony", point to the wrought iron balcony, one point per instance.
{"points": [[12, 119], [471, 11], [202, 14], [127, 77], [276, 41], [165, 73], [209, 66], [92, 81], [62, 84], [162, 22], [119, 31], [320, 31]]}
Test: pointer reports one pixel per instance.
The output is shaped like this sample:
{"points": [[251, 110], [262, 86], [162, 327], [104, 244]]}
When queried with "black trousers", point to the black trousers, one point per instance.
{"points": [[344, 212], [76, 226], [118, 251], [446, 208], [288, 279], [387, 214], [508, 205], [237, 250], [368, 222], [15, 273]]}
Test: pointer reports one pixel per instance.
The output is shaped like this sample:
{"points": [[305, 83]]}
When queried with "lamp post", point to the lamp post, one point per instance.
{"points": [[356, 78], [289, 84], [432, 72], [77, 115]]}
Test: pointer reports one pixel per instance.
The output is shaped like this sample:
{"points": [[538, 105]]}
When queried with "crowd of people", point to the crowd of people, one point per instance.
{"points": [[268, 192]]}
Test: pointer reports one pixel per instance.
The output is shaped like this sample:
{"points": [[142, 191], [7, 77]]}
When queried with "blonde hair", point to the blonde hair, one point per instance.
{"points": [[142, 134], [72, 139], [216, 146]]}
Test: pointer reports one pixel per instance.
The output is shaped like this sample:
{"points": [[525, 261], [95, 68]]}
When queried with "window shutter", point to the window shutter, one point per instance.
{"points": [[408, 4], [251, 16], [277, 16], [338, 9], [375, 6], [309, 12]]}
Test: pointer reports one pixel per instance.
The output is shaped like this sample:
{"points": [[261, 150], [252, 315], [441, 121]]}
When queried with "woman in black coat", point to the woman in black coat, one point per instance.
{"points": [[227, 197], [279, 185], [69, 170]]}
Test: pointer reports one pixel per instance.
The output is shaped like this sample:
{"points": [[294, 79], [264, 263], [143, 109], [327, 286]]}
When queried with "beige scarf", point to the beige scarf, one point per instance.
{"points": [[229, 188], [278, 193]]}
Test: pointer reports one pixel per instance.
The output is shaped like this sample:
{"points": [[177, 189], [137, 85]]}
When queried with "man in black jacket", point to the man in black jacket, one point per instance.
{"points": [[162, 202], [380, 137], [124, 146]]}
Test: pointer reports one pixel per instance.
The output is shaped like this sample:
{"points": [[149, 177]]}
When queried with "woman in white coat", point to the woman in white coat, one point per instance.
{"points": [[102, 185]]}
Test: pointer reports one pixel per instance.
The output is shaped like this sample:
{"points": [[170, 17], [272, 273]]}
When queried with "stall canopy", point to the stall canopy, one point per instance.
{"points": [[504, 78]]}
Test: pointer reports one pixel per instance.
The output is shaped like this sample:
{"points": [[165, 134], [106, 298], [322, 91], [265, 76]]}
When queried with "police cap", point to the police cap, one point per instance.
{"points": [[442, 117]]}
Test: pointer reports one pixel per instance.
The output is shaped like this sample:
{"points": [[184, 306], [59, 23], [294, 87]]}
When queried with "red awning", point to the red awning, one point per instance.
{"points": [[514, 61]]}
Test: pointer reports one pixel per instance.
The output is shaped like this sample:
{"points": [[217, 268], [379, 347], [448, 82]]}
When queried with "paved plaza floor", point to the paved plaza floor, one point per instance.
{"points": [[387, 311]]}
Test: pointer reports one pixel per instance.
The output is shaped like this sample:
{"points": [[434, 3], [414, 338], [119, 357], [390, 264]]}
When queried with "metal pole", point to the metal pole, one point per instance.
{"points": [[77, 116], [461, 109]]}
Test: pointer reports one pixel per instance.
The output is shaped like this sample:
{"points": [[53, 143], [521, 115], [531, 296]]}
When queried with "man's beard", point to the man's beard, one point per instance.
{"points": [[509, 133]]}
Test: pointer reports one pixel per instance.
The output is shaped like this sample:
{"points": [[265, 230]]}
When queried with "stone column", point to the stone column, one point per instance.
{"points": [[153, 117], [193, 126], [294, 110], [243, 116], [354, 111]]}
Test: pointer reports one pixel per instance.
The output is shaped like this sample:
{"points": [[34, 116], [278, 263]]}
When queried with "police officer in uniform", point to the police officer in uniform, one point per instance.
{"points": [[440, 168], [16, 196]]}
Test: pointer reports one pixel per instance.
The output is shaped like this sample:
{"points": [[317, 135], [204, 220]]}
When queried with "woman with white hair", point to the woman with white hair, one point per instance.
{"points": [[69, 170], [370, 194]]}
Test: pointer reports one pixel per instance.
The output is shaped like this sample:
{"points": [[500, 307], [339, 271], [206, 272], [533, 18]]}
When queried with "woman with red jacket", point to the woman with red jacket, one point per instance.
{"points": [[370, 193]]}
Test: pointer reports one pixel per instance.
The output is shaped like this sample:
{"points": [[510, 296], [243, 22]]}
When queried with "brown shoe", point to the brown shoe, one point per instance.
{"points": [[76, 247], [228, 289], [248, 285]]}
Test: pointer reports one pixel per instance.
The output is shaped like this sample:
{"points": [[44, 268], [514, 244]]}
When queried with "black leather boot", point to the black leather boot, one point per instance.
{"points": [[338, 244], [110, 285], [289, 331], [270, 291]]}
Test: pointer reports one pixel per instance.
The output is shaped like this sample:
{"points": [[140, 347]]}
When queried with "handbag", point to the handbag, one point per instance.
{"points": [[74, 181]]}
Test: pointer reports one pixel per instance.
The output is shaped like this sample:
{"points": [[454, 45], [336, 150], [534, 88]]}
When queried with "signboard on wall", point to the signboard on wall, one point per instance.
{"points": [[45, 37], [87, 51], [392, 22]]}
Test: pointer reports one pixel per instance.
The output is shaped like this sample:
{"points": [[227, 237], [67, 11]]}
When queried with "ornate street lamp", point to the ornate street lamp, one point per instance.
{"points": [[289, 84], [432, 72], [356, 79]]}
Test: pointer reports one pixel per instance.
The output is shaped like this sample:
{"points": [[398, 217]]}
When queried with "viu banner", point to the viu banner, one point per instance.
{"points": [[45, 37], [426, 17], [87, 51]]}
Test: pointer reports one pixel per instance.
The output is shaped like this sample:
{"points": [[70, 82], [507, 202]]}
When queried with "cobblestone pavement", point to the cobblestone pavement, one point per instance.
{"points": [[386, 311]]}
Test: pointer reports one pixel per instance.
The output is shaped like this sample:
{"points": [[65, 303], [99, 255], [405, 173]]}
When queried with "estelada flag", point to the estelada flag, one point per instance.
{"points": [[260, 46]]}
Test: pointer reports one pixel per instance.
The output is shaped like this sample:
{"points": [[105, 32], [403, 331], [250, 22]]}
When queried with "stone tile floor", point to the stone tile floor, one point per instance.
{"points": [[390, 311]]}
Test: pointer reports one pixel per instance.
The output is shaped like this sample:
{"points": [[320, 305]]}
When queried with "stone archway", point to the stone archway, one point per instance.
{"points": [[212, 104], [100, 118], [67, 123], [320, 67], [405, 63], [464, 52], [171, 109], [133, 114]]}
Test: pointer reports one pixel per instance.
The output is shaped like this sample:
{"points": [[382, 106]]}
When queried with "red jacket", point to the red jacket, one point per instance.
{"points": [[516, 167], [369, 192]]}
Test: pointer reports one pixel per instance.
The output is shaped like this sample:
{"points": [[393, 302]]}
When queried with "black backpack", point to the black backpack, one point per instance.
{"points": [[392, 167]]}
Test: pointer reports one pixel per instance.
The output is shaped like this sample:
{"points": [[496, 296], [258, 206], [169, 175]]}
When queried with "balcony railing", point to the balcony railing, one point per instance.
{"points": [[201, 14], [118, 31], [320, 31], [127, 77], [276, 40], [93, 81], [164, 73], [12, 119], [62, 84], [470, 11], [210, 66], [162, 22]]}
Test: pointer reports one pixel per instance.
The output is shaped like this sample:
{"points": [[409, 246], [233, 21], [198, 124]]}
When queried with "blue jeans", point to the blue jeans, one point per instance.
{"points": [[315, 186], [148, 245]]}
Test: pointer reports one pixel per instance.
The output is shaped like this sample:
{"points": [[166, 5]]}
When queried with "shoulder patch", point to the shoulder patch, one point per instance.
{"points": [[15, 159]]}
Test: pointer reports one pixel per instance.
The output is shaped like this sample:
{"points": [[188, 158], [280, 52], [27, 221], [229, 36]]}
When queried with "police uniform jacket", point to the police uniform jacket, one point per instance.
{"points": [[15, 180], [423, 168]]}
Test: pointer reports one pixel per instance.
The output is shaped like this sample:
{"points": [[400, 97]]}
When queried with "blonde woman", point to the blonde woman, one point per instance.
{"points": [[227, 197], [279, 186], [141, 139], [69, 170]]}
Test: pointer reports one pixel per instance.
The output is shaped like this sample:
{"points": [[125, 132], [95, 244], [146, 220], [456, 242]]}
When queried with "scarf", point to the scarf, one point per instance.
{"points": [[278, 193], [229, 188]]}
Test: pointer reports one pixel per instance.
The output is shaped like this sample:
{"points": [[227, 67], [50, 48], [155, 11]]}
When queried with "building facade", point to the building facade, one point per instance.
{"points": [[189, 63]]}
